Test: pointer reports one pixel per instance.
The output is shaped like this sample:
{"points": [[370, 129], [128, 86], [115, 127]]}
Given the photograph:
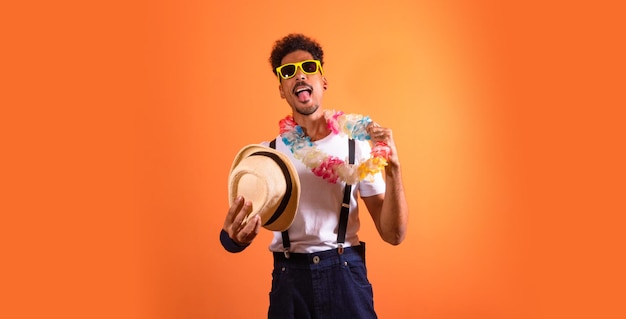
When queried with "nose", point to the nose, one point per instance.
{"points": [[300, 75]]}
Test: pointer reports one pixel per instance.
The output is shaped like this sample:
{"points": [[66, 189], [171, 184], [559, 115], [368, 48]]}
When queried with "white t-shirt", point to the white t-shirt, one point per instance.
{"points": [[316, 223]]}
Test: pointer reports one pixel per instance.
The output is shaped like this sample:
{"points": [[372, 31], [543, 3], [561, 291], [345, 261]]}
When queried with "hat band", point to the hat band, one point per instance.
{"points": [[285, 200]]}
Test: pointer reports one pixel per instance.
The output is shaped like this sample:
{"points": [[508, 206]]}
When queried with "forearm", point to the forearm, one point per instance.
{"points": [[394, 213]]}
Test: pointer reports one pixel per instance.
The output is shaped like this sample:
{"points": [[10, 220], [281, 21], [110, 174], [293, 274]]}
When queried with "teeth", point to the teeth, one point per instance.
{"points": [[302, 89]]}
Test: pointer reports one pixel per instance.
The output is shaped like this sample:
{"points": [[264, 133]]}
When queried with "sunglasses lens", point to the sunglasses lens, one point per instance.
{"points": [[309, 67], [287, 71]]}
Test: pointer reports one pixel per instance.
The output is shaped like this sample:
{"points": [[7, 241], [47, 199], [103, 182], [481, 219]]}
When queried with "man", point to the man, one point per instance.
{"points": [[319, 262]]}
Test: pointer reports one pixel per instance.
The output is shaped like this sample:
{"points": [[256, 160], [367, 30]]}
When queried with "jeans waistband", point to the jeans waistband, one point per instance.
{"points": [[317, 257]]}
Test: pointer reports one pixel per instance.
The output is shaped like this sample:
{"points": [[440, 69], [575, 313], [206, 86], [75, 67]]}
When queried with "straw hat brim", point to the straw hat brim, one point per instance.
{"points": [[269, 180]]}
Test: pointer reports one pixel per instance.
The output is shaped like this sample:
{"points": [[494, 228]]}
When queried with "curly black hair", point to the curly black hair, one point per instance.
{"points": [[294, 42]]}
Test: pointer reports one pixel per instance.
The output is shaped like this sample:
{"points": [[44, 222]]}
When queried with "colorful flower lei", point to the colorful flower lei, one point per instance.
{"points": [[332, 168]]}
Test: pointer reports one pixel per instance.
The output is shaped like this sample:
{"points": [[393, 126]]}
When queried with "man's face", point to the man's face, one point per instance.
{"points": [[303, 92]]}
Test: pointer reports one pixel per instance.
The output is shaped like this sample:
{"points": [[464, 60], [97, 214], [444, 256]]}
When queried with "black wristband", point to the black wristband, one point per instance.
{"points": [[229, 244]]}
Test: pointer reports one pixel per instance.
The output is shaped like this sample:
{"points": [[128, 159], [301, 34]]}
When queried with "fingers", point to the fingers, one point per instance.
{"points": [[370, 127], [378, 133], [234, 209], [383, 135], [250, 230], [241, 216], [236, 215], [241, 227]]}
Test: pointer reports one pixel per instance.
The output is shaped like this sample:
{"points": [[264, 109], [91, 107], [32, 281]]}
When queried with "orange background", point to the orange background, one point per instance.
{"points": [[120, 120]]}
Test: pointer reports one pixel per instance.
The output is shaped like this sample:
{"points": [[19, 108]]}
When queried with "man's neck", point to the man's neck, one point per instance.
{"points": [[314, 125]]}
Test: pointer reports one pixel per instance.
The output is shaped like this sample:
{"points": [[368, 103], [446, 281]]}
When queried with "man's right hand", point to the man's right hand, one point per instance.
{"points": [[240, 230]]}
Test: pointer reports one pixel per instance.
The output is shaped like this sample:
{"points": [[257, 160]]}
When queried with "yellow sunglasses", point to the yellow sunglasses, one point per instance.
{"points": [[289, 70]]}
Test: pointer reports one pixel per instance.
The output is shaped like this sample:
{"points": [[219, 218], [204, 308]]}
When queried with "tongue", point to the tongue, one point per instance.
{"points": [[304, 96]]}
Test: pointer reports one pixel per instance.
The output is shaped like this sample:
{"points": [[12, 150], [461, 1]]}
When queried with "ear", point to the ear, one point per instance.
{"points": [[280, 90], [325, 83]]}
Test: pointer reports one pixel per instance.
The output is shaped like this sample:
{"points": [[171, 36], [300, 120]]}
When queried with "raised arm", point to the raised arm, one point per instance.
{"points": [[389, 211]]}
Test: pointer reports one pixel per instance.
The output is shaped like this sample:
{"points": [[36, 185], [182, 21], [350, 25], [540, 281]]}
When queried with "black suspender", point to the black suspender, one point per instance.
{"points": [[345, 206], [343, 214]]}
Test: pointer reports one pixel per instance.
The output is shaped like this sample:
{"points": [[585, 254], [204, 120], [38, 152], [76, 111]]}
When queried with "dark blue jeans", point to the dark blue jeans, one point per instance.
{"points": [[322, 285]]}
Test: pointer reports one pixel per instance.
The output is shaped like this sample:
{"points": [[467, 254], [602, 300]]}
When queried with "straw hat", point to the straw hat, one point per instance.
{"points": [[268, 179]]}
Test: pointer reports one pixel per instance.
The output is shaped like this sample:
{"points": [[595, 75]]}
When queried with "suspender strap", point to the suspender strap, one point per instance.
{"points": [[345, 205], [285, 234]]}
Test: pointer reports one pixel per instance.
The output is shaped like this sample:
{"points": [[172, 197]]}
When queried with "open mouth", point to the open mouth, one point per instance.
{"points": [[303, 92]]}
